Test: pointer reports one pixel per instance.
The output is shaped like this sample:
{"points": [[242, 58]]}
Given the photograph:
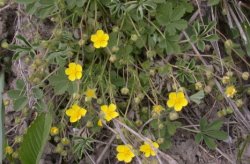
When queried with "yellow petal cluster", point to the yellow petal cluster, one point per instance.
{"points": [[149, 149], [230, 91], [109, 111], [54, 131], [90, 94], [100, 39], [8, 150], [125, 153], [177, 100], [74, 71], [157, 109], [76, 113]]}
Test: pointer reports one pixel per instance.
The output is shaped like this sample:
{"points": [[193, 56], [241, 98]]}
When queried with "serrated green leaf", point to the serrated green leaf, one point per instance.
{"points": [[20, 84], [219, 135], [14, 94], [35, 139], [171, 128], [166, 144], [216, 125], [38, 93], [198, 137], [197, 97], [203, 124], [20, 103], [201, 45], [209, 142]]}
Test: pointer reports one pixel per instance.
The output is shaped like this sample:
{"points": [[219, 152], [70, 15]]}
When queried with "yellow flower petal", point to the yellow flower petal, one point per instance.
{"points": [[69, 112], [177, 107], [184, 102], [112, 107], [72, 77], [78, 75], [67, 71], [78, 68], [104, 108], [73, 119], [180, 95], [97, 44], [172, 95], [72, 65], [83, 111], [106, 37], [170, 103], [99, 32], [93, 38]]}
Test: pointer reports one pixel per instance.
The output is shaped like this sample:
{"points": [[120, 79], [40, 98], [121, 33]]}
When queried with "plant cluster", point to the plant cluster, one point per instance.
{"points": [[132, 69]]}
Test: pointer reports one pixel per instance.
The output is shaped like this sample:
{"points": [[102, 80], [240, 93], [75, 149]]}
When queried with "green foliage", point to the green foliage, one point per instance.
{"points": [[209, 132], [81, 145], [203, 34], [18, 95], [197, 97], [35, 139]]}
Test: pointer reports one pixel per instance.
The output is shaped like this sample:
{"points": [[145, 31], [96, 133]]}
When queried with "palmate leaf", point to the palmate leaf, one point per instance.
{"points": [[35, 139]]}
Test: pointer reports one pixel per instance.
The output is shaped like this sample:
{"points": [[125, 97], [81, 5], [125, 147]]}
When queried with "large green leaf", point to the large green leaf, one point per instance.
{"points": [[35, 139], [1, 116]]}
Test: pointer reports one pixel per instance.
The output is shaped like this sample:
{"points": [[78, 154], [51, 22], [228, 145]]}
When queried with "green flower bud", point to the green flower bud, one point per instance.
{"points": [[245, 75], [4, 45], [134, 37], [124, 91], [65, 141], [208, 89], [198, 86], [112, 58], [160, 140], [115, 29], [239, 103], [173, 115], [89, 124]]}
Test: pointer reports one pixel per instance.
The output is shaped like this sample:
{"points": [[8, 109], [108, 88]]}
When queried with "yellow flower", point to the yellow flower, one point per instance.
{"points": [[99, 123], [100, 39], [230, 91], [74, 71], [8, 150], [125, 153], [149, 149], [157, 109], [109, 111], [177, 100], [54, 131], [90, 93], [75, 113]]}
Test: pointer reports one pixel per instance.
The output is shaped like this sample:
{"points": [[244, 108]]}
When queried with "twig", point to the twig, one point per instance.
{"points": [[105, 149]]}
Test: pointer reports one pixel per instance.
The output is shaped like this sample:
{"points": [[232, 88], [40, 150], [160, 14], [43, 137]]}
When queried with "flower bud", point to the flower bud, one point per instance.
{"points": [[6, 102], [4, 45], [151, 54], [173, 115], [208, 89], [115, 49], [229, 110], [239, 103], [124, 91], [230, 73], [65, 141], [81, 42], [59, 148], [160, 140], [137, 100], [15, 155], [160, 126], [64, 153], [54, 131], [115, 29], [138, 123], [112, 58], [198, 86], [18, 139], [89, 124], [228, 44], [134, 37], [245, 75]]}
